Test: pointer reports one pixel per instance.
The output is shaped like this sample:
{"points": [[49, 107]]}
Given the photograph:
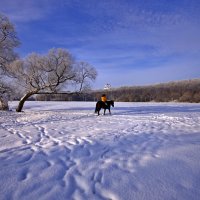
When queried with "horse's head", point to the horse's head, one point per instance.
{"points": [[112, 103]]}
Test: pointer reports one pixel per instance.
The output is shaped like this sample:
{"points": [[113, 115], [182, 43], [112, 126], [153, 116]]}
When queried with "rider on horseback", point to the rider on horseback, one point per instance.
{"points": [[104, 104], [104, 98]]}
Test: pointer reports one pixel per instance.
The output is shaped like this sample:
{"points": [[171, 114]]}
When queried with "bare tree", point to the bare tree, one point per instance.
{"points": [[84, 74], [4, 90], [47, 73], [8, 41]]}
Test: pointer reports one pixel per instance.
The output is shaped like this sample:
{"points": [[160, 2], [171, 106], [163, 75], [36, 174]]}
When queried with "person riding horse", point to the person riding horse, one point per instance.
{"points": [[105, 104], [104, 98]]}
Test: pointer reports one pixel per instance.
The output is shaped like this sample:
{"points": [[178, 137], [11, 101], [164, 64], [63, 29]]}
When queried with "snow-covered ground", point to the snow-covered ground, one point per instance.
{"points": [[62, 151]]}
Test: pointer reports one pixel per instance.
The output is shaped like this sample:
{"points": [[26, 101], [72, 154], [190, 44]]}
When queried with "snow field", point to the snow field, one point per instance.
{"points": [[62, 150]]}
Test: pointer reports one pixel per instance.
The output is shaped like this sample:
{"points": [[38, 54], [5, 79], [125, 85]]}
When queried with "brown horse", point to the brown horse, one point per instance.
{"points": [[106, 105]]}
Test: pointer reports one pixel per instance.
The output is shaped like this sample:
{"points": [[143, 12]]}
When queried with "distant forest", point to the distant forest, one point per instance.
{"points": [[180, 91]]}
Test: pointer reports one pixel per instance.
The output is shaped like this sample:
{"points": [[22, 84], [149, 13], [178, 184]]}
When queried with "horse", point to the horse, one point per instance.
{"points": [[106, 105]]}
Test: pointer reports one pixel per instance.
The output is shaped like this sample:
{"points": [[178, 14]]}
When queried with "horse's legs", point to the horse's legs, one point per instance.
{"points": [[99, 111], [104, 111]]}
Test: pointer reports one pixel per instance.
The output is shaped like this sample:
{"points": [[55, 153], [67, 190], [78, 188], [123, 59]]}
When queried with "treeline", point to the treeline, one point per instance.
{"points": [[182, 91], [65, 97]]}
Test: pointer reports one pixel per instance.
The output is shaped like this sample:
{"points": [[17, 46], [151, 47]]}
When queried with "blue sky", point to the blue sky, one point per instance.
{"points": [[129, 42]]}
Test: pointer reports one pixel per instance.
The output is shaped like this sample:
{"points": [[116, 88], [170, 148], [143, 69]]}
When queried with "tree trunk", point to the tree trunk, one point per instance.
{"points": [[23, 99], [3, 104]]}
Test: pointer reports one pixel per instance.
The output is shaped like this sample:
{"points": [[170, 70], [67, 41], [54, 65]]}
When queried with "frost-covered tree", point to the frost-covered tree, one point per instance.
{"points": [[49, 73], [8, 41], [84, 74], [4, 89]]}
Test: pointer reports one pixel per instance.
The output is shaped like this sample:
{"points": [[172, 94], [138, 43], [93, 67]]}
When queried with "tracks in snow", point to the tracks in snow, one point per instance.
{"points": [[77, 152]]}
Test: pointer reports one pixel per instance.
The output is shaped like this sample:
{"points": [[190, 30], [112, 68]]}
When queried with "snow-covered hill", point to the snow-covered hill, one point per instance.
{"points": [[62, 150]]}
